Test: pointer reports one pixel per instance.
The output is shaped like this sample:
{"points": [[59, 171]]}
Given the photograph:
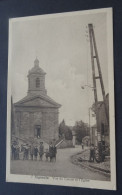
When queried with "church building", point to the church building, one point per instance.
{"points": [[36, 115]]}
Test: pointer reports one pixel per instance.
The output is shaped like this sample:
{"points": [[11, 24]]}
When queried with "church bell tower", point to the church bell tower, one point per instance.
{"points": [[36, 80]]}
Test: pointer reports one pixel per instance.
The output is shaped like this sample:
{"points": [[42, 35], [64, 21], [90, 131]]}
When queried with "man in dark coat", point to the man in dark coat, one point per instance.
{"points": [[35, 152], [13, 150], [51, 151], [31, 151], [92, 153], [54, 152], [41, 150], [17, 152], [25, 149]]}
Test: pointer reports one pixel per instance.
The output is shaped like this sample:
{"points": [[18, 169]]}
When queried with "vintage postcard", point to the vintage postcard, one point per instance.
{"points": [[60, 101]]}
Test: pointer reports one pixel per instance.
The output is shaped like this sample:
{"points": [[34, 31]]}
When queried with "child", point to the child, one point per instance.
{"points": [[47, 154], [35, 152]]}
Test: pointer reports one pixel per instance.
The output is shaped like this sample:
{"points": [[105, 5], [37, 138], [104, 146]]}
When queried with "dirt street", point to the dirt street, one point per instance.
{"points": [[63, 167]]}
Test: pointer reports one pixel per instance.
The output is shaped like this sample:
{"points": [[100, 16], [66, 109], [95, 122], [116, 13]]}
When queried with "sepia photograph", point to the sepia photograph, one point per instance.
{"points": [[60, 100]]}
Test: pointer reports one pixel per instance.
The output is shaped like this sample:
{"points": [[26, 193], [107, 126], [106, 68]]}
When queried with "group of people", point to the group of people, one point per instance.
{"points": [[35, 150], [32, 151]]}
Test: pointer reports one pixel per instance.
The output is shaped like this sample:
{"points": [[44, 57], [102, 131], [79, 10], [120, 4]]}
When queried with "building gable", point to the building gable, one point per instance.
{"points": [[37, 102]]}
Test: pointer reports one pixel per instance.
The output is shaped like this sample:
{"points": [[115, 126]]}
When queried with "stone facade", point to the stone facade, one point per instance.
{"points": [[36, 115]]}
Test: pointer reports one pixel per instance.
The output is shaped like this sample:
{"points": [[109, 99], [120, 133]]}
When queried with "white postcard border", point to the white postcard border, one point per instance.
{"points": [[111, 185]]}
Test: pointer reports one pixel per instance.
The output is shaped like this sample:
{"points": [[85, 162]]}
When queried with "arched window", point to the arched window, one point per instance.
{"points": [[37, 83]]}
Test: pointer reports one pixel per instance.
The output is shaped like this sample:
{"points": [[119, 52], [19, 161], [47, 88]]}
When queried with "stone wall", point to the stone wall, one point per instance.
{"points": [[26, 119]]}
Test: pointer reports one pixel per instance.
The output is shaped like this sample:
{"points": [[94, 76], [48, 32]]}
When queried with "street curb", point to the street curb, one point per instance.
{"points": [[91, 167], [101, 169]]}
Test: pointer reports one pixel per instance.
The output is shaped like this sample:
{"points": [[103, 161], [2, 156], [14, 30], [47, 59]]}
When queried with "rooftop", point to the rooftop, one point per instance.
{"points": [[36, 68]]}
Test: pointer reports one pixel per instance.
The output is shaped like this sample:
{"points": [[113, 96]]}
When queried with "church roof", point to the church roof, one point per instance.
{"points": [[40, 100], [36, 68]]}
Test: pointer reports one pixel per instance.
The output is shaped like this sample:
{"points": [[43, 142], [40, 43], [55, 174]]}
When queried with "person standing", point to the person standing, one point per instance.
{"points": [[41, 150], [31, 151], [54, 152], [16, 146], [27, 152], [24, 152], [51, 151], [92, 153], [17, 152], [82, 146], [35, 152], [13, 150], [47, 155]]}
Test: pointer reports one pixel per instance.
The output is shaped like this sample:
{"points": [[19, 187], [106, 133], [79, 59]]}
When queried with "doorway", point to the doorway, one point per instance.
{"points": [[37, 131]]}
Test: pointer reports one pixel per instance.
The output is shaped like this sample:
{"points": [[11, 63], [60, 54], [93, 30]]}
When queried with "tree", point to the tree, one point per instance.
{"points": [[65, 131], [62, 128], [81, 129], [68, 133]]}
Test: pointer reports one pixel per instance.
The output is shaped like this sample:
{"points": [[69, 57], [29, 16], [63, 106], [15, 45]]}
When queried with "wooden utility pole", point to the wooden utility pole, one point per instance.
{"points": [[96, 64], [94, 56]]}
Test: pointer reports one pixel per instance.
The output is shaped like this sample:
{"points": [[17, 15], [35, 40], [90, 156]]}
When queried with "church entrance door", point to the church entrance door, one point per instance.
{"points": [[37, 131]]}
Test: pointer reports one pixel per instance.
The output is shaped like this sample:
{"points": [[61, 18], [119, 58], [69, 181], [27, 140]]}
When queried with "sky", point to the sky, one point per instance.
{"points": [[62, 46]]}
